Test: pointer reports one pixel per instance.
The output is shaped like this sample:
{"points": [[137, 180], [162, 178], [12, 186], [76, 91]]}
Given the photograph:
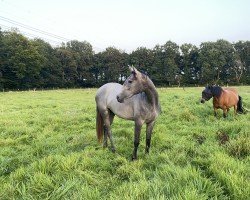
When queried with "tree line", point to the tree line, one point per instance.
{"points": [[33, 63]]}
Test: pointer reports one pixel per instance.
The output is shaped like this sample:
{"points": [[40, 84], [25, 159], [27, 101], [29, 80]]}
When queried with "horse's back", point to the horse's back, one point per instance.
{"points": [[231, 96], [233, 90], [107, 92]]}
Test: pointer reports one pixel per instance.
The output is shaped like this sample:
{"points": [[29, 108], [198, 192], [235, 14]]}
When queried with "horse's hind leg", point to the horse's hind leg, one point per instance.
{"points": [[111, 118], [107, 120], [105, 140], [235, 110]]}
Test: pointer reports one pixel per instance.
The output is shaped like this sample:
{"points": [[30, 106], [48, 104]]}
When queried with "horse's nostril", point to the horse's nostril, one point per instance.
{"points": [[118, 99]]}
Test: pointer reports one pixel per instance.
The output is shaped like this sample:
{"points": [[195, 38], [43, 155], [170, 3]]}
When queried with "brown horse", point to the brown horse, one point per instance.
{"points": [[136, 100], [223, 99]]}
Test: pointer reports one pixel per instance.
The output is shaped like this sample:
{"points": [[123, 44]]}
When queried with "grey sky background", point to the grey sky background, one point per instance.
{"points": [[129, 24]]}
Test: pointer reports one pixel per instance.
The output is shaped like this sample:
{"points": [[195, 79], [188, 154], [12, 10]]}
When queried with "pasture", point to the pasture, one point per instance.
{"points": [[49, 149]]}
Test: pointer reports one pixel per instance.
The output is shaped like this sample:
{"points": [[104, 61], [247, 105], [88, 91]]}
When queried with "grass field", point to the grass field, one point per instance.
{"points": [[49, 150]]}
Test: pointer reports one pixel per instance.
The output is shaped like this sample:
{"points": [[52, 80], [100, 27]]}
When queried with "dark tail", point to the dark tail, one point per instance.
{"points": [[99, 126], [239, 106]]}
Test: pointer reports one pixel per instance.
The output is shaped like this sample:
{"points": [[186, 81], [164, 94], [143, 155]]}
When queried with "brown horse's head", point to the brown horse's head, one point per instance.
{"points": [[134, 84], [211, 91], [207, 94]]}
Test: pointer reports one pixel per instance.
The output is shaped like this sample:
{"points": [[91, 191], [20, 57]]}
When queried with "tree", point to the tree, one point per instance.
{"points": [[188, 63], [215, 59], [113, 64], [22, 62], [142, 58], [166, 62], [243, 52], [83, 55], [2, 55], [69, 67], [237, 70], [51, 71]]}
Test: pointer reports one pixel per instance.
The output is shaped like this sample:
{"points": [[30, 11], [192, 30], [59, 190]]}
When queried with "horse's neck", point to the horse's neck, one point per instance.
{"points": [[152, 95], [217, 91]]}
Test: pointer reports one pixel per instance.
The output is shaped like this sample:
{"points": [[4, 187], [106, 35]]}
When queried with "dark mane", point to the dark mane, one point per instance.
{"points": [[216, 90]]}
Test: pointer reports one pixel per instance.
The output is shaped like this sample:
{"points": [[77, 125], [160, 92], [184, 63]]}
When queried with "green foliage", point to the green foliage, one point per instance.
{"points": [[31, 64], [215, 59], [243, 51], [22, 62], [188, 63], [49, 149]]}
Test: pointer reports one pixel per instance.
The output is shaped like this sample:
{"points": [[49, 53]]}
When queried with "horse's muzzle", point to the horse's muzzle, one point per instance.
{"points": [[202, 100], [119, 100]]}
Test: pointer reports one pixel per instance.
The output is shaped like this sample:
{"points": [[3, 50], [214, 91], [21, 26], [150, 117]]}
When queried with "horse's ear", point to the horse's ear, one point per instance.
{"points": [[131, 68], [209, 86], [144, 75]]}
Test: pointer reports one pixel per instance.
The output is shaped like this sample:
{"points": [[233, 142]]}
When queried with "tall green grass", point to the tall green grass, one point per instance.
{"points": [[49, 150]]}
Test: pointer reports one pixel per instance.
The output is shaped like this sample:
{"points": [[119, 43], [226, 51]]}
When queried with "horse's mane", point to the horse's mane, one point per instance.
{"points": [[216, 90]]}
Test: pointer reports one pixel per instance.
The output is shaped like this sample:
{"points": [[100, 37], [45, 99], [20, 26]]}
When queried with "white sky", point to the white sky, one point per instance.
{"points": [[128, 24]]}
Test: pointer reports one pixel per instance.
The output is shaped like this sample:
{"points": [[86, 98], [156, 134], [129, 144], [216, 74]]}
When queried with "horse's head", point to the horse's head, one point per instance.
{"points": [[207, 94], [134, 84]]}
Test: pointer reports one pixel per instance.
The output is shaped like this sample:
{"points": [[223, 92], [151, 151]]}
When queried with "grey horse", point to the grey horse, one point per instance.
{"points": [[136, 100]]}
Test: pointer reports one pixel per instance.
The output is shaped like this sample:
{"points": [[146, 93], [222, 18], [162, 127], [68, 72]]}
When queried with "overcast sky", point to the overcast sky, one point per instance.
{"points": [[128, 24]]}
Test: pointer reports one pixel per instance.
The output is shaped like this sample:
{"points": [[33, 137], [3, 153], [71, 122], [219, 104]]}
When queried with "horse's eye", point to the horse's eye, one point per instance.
{"points": [[129, 81]]}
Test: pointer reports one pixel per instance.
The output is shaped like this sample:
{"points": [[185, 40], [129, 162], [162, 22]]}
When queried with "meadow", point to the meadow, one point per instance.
{"points": [[49, 149]]}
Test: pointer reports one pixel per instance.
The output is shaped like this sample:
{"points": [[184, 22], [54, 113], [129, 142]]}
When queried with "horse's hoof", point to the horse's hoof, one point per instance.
{"points": [[134, 158], [113, 150], [105, 146]]}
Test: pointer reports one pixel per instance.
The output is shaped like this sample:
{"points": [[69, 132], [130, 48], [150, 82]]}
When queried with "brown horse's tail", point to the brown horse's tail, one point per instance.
{"points": [[99, 126], [239, 106]]}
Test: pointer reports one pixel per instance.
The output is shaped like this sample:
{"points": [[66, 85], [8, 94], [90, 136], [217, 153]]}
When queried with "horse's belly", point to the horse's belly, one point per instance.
{"points": [[231, 102]]}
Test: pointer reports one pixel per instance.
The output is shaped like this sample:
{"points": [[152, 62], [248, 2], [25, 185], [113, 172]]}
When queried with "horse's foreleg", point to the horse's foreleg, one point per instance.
{"points": [[137, 133], [149, 130], [224, 112], [215, 112]]}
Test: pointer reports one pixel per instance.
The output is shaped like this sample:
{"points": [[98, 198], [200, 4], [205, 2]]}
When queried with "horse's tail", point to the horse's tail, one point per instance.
{"points": [[239, 106], [99, 126]]}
